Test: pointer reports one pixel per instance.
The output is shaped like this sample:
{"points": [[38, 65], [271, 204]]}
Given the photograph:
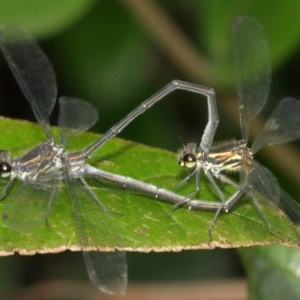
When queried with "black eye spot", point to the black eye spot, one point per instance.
{"points": [[188, 158], [5, 168]]}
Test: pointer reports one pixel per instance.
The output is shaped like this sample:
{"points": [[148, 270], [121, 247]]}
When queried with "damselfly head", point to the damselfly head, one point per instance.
{"points": [[5, 169], [188, 156], [5, 166]]}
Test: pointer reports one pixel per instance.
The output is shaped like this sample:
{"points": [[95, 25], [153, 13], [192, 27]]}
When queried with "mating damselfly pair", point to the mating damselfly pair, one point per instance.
{"points": [[41, 169]]}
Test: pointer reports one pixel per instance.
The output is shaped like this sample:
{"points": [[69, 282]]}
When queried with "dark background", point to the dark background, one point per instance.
{"points": [[111, 54]]}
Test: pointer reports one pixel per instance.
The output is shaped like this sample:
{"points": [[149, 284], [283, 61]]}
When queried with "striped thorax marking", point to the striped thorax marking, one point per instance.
{"points": [[227, 157]]}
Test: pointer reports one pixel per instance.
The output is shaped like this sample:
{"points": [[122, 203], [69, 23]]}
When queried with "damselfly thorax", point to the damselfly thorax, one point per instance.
{"points": [[226, 157]]}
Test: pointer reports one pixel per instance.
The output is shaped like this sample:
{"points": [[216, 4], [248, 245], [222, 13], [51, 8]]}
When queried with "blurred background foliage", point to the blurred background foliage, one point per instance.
{"points": [[116, 54]]}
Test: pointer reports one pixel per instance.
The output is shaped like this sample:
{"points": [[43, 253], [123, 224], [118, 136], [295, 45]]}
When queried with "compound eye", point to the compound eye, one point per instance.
{"points": [[5, 169], [189, 160]]}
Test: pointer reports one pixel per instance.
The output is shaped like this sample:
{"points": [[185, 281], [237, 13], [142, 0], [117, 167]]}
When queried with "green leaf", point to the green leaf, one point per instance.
{"points": [[273, 272], [43, 17], [140, 223]]}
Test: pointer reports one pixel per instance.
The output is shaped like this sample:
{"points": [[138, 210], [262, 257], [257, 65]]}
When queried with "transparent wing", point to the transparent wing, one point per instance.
{"points": [[32, 71], [263, 181], [75, 116], [264, 186], [282, 126], [253, 69], [107, 270], [290, 207], [27, 208]]}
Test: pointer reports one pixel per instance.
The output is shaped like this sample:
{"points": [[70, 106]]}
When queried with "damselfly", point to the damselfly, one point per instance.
{"points": [[41, 169], [253, 70]]}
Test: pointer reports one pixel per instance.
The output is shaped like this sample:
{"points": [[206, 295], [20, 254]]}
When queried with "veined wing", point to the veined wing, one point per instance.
{"points": [[106, 270], [94, 225], [282, 126], [75, 116], [32, 71], [264, 184], [263, 181], [253, 69], [29, 206], [290, 207]]}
